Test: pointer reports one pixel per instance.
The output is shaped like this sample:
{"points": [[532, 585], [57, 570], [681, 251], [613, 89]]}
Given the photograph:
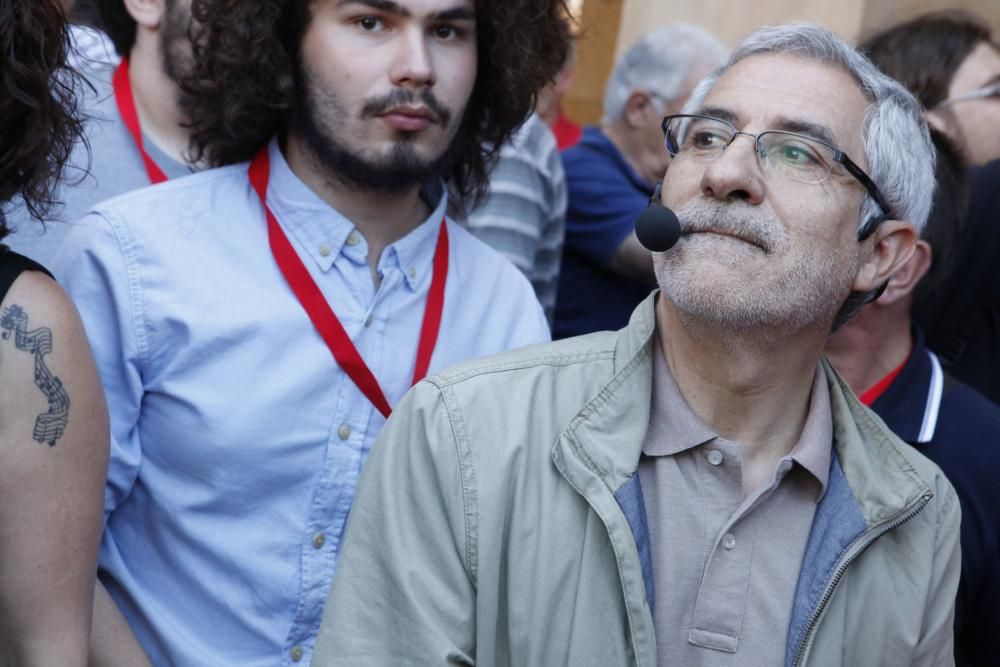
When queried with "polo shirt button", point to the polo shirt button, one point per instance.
{"points": [[729, 541], [353, 238], [715, 457], [319, 539], [324, 250], [344, 431], [297, 653]]}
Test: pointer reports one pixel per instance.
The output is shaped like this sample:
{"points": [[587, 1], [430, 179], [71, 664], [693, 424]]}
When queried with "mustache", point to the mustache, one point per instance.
{"points": [[405, 97], [733, 219]]}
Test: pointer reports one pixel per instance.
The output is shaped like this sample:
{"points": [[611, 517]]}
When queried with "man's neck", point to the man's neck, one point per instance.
{"points": [[156, 99], [381, 217], [754, 390], [870, 347]]}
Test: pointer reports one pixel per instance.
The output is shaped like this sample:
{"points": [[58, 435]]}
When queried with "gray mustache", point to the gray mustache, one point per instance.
{"points": [[726, 218]]}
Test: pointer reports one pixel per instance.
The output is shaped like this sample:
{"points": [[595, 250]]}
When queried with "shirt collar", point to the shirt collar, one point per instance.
{"points": [[414, 253], [674, 427], [909, 406], [327, 236]]}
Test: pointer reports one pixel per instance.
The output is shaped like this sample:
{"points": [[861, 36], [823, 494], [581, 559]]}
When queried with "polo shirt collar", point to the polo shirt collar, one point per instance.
{"points": [[680, 428], [328, 237], [910, 405]]}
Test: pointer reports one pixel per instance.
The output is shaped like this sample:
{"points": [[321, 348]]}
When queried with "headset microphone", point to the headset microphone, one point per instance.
{"points": [[658, 228]]}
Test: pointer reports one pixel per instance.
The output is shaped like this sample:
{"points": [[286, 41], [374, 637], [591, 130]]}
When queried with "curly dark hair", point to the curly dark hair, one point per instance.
{"points": [[241, 89], [924, 53], [38, 103]]}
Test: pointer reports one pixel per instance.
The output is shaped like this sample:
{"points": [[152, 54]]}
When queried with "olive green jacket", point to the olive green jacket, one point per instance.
{"points": [[499, 521]]}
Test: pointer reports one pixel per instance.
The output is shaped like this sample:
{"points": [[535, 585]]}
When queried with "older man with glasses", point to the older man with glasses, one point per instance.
{"points": [[701, 487]]}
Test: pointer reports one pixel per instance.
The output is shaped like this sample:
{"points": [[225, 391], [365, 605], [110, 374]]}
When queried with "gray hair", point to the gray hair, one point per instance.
{"points": [[661, 63], [897, 142]]}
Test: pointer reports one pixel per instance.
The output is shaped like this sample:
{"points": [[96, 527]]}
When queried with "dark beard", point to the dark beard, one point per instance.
{"points": [[175, 41], [397, 172]]}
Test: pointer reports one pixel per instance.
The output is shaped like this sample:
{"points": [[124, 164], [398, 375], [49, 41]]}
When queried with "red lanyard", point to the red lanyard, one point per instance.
{"points": [[126, 108], [323, 317]]}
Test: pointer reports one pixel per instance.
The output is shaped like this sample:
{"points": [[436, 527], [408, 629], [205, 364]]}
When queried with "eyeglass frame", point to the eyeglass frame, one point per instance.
{"points": [[990, 90], [839, 156]]}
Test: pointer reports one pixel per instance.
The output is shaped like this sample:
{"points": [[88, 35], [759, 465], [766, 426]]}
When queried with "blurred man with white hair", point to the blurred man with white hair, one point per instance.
{"points": [[700, 488], [611, 173]]}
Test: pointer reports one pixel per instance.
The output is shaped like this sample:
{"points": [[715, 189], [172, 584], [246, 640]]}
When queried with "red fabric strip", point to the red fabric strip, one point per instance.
{"points": [[322, 315], [126, 108], [872, 394]]}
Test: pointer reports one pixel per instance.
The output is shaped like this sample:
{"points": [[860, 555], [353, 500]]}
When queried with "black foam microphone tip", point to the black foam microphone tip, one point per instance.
{"points": [[658, 228]]}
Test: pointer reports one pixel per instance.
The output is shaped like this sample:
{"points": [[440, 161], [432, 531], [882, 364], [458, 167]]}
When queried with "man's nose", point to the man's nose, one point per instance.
{"points": [[413, 66], [735, 173]]}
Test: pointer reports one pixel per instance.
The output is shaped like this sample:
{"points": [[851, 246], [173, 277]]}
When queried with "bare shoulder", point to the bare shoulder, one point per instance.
{"points": [[53, 461], [45, 364]]}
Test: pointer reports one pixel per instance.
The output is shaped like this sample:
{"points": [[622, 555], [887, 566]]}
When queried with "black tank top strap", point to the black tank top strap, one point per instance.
{"points": [[12, 265]]}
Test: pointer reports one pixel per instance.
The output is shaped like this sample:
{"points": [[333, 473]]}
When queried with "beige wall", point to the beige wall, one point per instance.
{"points": [[610, 26], [730, 20]]}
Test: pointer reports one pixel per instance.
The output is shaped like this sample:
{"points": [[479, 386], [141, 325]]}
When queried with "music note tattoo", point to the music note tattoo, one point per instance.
{"points": [[49, 426]]}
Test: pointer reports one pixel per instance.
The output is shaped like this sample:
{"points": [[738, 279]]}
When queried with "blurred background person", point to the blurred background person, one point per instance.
{"points": [[550, 105], [611, 173], [882, 355], [53, 419], [134, 133], [523, 216], [951, 62]]}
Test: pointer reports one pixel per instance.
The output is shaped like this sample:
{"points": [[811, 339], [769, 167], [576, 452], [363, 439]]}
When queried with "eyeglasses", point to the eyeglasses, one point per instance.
{"points": [[992, 90], [786, 154]]}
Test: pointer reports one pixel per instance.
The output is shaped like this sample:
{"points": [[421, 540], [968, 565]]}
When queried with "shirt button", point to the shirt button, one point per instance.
{"points": [[319, 539], [715, 457], [412, 273], [729, 541], [353, 238], [344, 431], [324, 250], [297, 653]]}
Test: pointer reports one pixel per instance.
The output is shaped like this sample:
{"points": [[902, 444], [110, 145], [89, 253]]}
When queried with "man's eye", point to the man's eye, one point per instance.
{"points": [[446, 32], [705, 139], [796, 154], [369, 23]]}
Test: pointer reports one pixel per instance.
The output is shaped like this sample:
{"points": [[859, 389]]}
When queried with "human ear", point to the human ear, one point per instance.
{"points": [[637, 107], [910, 272], [146, 13], [883, 253]]}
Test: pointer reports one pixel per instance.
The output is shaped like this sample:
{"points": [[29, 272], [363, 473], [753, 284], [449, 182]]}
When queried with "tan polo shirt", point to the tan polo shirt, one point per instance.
{"points": [[725, 566]]}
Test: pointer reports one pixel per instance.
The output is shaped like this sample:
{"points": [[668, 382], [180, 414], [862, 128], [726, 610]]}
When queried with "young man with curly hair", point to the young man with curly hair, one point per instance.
{"points": [[255, 323]]}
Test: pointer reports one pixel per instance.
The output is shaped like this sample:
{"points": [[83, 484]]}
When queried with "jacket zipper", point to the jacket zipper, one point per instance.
{"points": [[814, 618]]}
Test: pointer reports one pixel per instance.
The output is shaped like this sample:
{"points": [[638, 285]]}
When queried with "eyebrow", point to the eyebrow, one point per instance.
{"points": [[720, 113], [391, 7], [807, 128]]}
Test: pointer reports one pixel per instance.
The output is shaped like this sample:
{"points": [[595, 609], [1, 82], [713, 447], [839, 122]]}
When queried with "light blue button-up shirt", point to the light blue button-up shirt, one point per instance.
{"points": [[237, 440]]}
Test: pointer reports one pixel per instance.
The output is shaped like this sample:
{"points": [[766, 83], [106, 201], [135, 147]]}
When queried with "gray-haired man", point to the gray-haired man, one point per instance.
{"points": [[700, 488], [610, 175]]}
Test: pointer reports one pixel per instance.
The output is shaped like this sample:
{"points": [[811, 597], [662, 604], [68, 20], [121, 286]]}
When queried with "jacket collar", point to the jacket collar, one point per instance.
{"points": [[911, 404], [607, 434]]}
